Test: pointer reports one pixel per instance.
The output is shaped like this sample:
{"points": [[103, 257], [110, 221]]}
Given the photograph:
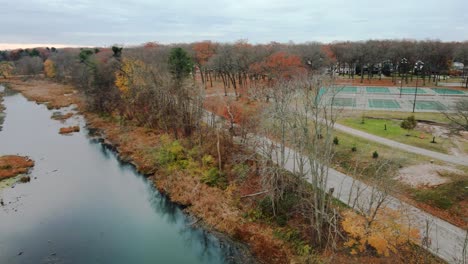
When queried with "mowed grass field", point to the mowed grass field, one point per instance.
{"points": [[395, 132]]}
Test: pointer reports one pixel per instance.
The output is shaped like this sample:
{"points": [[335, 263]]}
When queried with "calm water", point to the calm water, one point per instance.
{"points": [[84, 206]]}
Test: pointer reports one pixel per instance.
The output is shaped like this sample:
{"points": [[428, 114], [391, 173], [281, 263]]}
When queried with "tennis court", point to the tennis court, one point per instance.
{"points": [[447, 91], [377, 90], [429, 105], [344, 102], [383, 103], [348, 89], [412, 91]]}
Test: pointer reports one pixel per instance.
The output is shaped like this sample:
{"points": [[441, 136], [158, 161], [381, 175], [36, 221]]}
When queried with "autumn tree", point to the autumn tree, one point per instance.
{"points": [[387, 233], [29, 66], [203, 52], [6, 69], [49, 68], [280, 65]]}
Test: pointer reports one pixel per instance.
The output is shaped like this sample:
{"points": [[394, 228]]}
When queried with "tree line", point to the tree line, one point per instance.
{"points": [[241, 64]]}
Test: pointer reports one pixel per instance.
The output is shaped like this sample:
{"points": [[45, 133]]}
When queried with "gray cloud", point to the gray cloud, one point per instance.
{"points": [[104, 22]]}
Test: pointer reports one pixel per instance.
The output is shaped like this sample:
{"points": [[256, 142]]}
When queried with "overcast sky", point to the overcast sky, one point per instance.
{"points": [[107, 22]]}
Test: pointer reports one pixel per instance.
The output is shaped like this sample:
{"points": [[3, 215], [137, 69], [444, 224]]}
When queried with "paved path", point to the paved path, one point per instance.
{"points": [[394, 144], [446, 240]]}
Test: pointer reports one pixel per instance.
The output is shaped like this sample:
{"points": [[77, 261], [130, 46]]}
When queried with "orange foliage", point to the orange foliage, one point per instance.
{"points": [[386, 233], [279, 65], [150, 45], [204, 51], [328, 51]]}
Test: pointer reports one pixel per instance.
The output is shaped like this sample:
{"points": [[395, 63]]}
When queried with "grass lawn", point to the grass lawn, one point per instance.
{"points": [[395, 132], [444, 196], [434, 117], [346, 160]]}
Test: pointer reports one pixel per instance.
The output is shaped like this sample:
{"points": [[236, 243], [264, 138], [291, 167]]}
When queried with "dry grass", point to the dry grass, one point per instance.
{"points": [[54, 95], [11, 166], [61, 117], [218, 208], [68, 130]]}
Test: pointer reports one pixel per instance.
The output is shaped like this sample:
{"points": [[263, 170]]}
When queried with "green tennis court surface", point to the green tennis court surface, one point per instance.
{"points": [[412, 91], [348, 89], [344, 102], [383, 103], [429, 105], [379, 90], [446, 91]]}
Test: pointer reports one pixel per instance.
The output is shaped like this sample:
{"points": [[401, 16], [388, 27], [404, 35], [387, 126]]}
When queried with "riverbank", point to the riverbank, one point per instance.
{"points": [[186, 172], [215, 207], [2, 108]]}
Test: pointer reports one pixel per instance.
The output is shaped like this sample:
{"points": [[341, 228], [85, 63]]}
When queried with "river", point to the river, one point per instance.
{"points": [[84, 206]]}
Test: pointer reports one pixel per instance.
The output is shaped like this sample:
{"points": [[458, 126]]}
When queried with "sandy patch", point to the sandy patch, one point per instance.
{"points": [[425, 175], [435, 130]]}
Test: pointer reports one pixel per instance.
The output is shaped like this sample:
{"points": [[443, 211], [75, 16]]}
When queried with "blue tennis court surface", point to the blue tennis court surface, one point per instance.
{"points": [[344, 102], [383, 103], [447, 91], [378, 90], [429, 105], [412, 91], [348, 89]]}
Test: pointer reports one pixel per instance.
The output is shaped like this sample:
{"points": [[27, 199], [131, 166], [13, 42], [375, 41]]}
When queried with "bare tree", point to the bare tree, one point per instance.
{"points": [[459, 115], [29, 66]]}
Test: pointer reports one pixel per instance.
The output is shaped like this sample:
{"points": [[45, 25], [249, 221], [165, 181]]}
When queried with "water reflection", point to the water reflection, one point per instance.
{"points": [[86, 206]]}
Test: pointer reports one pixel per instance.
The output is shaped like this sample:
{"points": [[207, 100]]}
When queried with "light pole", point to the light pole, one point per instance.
{"points": [[417, 67], [403, 64]]}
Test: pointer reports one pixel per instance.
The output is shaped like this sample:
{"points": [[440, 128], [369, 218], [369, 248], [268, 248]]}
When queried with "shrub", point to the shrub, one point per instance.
{"points": [[409, 123], [208, 160], [240, 171], [386, 234], [336, 141], [444, 196], [170, 153], [213, 177], [375, 154], [283, 208], [354, 149]]}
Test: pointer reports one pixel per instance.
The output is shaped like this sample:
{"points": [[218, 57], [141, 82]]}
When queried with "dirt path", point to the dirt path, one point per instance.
{"points": [[394, 144]]}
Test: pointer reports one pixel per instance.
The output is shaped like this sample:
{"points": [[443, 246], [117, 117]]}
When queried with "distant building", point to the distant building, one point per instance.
{"points": [[457, 66]]}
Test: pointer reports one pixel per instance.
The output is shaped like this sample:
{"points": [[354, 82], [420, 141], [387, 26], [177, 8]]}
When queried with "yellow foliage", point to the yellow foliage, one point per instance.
{"points": [[131, 73], [6, 69], [386, 233], [49, 68]]}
